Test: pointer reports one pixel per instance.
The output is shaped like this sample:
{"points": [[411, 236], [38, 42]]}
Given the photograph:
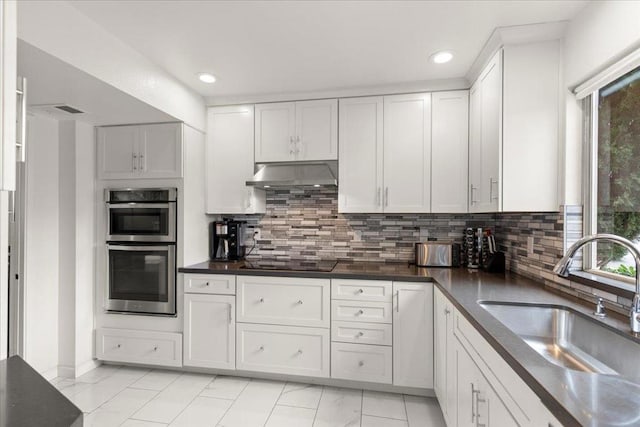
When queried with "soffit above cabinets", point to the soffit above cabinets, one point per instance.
{"points": [[256, 48]]}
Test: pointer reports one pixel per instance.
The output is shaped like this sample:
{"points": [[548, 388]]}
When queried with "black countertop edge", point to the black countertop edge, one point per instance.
{"points": [[311, 274], [547, 398]]}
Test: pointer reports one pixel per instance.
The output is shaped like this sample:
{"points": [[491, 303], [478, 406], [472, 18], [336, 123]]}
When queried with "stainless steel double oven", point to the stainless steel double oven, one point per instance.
{"points": [[141, 250]]}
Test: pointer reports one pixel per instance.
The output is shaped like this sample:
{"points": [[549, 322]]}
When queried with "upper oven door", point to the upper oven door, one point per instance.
{"points": [[141, 222]]}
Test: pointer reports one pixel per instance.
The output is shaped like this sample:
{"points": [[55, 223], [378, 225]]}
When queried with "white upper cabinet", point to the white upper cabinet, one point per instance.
{"points": [[486, 138], [140, 151], [361, 153], [275, 127], [8, 82], [229, 162], [407, 153], [449, 151], [514, 126], [302, 131]]}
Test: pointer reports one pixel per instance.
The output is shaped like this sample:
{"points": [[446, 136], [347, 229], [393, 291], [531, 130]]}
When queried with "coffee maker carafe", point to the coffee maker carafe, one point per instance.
{"points": [[227, 240]]}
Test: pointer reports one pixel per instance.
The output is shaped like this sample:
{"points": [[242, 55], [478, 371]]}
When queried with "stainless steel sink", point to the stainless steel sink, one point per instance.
{"points": [[570, 339]]}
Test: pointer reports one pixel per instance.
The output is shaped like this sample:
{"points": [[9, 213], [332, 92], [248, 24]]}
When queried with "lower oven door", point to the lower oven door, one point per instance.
{"points": [[141, 279]]}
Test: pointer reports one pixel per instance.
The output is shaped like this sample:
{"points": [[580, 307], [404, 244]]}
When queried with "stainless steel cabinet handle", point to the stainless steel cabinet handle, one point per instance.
{"points": [[378, 201], [361, 363], [299, 351], [135, 161], [360, 291], [155, 348], [360, 333], [23, 120], [473, 201], [398, 301], [230, 316], [491, 182], [118, 346], [386, 196], [261, 348], [141, 162], [473, 403], [261, 299], [299, 302], [360, 312], [447, 311]]}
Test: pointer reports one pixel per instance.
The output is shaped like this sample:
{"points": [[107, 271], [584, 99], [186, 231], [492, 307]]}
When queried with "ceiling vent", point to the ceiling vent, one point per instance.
{"points": [[69, 109]]}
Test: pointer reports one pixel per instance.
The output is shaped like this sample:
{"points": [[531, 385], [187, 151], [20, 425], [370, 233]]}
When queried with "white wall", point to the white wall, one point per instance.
{"points": [[76, 247], [62, 31], [41, 245], [602, 33]]}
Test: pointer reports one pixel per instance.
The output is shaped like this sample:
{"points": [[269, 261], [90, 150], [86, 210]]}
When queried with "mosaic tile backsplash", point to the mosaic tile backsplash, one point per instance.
{"points": [[305, 224]]}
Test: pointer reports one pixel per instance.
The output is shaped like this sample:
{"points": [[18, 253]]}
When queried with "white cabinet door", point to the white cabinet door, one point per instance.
{"points": [[229, 162], [444, 356], [468, 378], [449, 151], [407, 153], [317, 130], [361, 153], [486, 139], [209, 331], [413, 334], [118, 152], [275, 132], [8, 82], [160, 150]]}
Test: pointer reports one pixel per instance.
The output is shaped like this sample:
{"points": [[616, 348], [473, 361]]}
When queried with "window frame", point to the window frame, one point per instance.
{"points": [[590, 106]]}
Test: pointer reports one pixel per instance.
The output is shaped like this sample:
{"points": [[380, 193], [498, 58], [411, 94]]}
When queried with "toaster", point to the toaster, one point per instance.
{"points": [[437, 254]]}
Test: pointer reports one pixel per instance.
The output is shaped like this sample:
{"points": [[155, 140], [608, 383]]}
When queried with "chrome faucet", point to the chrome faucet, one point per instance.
{"points": [[562, 269]]}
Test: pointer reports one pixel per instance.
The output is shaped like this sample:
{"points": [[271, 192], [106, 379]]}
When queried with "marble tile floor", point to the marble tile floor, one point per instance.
{"points": [[125, 396]]}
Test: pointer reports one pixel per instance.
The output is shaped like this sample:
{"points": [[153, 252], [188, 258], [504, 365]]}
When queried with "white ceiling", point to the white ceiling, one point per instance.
{"points": [[51, 81], [267, 47]]}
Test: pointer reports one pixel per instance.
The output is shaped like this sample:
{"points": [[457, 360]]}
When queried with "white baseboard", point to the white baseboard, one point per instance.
{"points": [[72, 372], [50, 374]]}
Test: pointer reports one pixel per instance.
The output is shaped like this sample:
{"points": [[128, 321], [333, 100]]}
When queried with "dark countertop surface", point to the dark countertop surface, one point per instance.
{"points": [[27, 399], [573, 397]]}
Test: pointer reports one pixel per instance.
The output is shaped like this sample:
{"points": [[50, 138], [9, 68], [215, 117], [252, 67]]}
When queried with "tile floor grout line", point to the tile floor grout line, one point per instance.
{"points": [[361, 405], [276, 403], [318, 407], [234, 400], [404, 404], [192, 400]]}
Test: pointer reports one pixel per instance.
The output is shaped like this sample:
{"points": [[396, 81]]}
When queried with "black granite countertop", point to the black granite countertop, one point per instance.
{"points": [[27, 399], [573, 397]]}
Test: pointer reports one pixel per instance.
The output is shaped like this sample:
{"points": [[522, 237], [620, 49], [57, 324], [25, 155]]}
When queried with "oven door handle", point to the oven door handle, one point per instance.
{"points": [[132, 248], [129, 205]]}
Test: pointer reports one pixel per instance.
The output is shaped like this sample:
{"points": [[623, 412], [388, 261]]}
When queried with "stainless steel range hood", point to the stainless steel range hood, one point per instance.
{"points": [[296, 174]]}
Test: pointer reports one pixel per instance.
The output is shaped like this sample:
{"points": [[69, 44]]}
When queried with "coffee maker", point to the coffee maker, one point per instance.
{"points": [[227, 239]]}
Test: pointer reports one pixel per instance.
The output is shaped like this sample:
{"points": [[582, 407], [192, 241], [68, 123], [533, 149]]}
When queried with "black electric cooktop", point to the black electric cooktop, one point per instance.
{"points": [[291, 265]]}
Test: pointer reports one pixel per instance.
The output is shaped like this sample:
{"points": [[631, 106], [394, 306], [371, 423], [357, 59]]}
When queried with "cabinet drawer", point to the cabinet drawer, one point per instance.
{"points": [[283, 301], [283, 349], [362, 333], [210, 284], [361, 362], [362, 311], [150, 348], [361, 290]]}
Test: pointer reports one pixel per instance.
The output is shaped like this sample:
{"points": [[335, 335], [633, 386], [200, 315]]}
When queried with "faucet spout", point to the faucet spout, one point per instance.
{"points": [[562, 268]]}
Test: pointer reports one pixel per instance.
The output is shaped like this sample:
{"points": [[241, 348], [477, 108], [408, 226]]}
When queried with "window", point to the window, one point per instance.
{"points": [[614, 199]]}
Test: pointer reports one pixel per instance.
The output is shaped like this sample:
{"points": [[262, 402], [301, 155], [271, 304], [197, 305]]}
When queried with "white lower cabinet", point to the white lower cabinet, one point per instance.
{"points": [[209, 331], [478, 403], [413, 334], [135, 346], [360, 362], [283, 349]]}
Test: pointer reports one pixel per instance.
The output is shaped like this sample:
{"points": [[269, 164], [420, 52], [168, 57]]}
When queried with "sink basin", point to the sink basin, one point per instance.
{"points": [[570, 339]]}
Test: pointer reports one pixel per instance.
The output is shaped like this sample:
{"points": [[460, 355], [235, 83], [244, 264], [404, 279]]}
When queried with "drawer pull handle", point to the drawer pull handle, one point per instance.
{"points": [[447, 311], [261, 348], [155, 348], [360, 291], [118, 346], [299, 351], [360, 333], [300, 301], [261, 299], [360, 312], [206, 284], [361, 363]]}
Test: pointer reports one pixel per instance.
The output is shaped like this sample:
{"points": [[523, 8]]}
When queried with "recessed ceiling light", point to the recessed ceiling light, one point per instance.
{"points": [[207, 77], [442, 57]]}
